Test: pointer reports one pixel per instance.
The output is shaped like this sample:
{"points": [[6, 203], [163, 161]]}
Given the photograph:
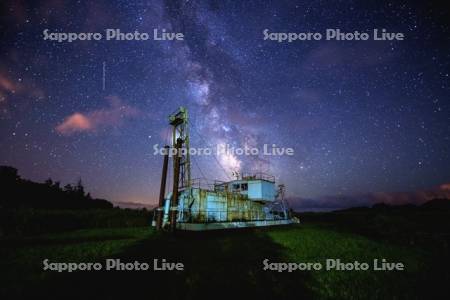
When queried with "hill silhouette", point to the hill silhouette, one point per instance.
{"points": [[437, 204]]}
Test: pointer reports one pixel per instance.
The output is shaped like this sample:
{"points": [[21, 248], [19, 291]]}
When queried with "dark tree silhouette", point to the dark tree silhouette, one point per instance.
{"points": [[49, 195]]}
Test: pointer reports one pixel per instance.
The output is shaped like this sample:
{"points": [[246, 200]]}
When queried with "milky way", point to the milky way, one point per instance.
{"points": [[364, 117]]}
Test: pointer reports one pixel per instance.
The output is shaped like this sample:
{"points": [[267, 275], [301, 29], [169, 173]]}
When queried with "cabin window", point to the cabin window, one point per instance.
{"points": [[236, 186], [244, 186]]}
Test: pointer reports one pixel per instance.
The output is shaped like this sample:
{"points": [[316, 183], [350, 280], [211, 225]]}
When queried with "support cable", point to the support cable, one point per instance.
{"points": [[215, 158]]}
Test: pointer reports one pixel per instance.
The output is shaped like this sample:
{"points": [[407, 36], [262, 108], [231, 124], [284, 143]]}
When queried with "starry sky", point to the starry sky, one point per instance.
{"points": [[368, 120]]}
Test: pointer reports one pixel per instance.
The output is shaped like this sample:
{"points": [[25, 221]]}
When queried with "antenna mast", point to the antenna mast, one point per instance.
{"points": [[179, 122]]}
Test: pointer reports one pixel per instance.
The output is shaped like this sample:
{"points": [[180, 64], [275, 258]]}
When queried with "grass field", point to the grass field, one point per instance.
{"points": [[217, 264]]}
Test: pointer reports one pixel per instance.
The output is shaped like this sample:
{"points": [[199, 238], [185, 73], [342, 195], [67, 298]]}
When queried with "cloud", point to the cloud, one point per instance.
{"points": [[13, 89], [73, 123], [100, 118], [392, 198], [20, 86], [133, 205], [6, 84], [445, 187]]}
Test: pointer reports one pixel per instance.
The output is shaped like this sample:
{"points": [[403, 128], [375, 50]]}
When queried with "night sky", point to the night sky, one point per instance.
{"points": [[368, 120]]}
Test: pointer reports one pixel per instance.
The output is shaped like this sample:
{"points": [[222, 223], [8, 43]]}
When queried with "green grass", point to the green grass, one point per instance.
{"points": [[22, 260], [226, 263], [314, 244]]}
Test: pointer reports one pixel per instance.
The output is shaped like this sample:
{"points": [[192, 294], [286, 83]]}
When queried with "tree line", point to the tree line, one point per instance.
{"points": [[22, 193]]}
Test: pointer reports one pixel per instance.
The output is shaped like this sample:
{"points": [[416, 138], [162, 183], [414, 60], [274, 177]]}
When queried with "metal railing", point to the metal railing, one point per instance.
{"points": [[258, 176]]}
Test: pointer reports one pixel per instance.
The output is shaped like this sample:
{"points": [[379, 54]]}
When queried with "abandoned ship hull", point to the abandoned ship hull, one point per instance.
{"points": [[248, 201], [235, 204], [231, 225]]}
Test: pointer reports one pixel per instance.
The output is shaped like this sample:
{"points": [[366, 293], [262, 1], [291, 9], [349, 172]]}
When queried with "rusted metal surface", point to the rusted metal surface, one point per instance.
{"points": [[249, 199], [176, 179], [233, 225], [204, 206], [219, 206], [159, 211]]}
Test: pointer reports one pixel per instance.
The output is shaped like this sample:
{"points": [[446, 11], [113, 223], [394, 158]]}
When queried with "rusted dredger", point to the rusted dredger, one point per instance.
{"points": [[247, 201]]}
